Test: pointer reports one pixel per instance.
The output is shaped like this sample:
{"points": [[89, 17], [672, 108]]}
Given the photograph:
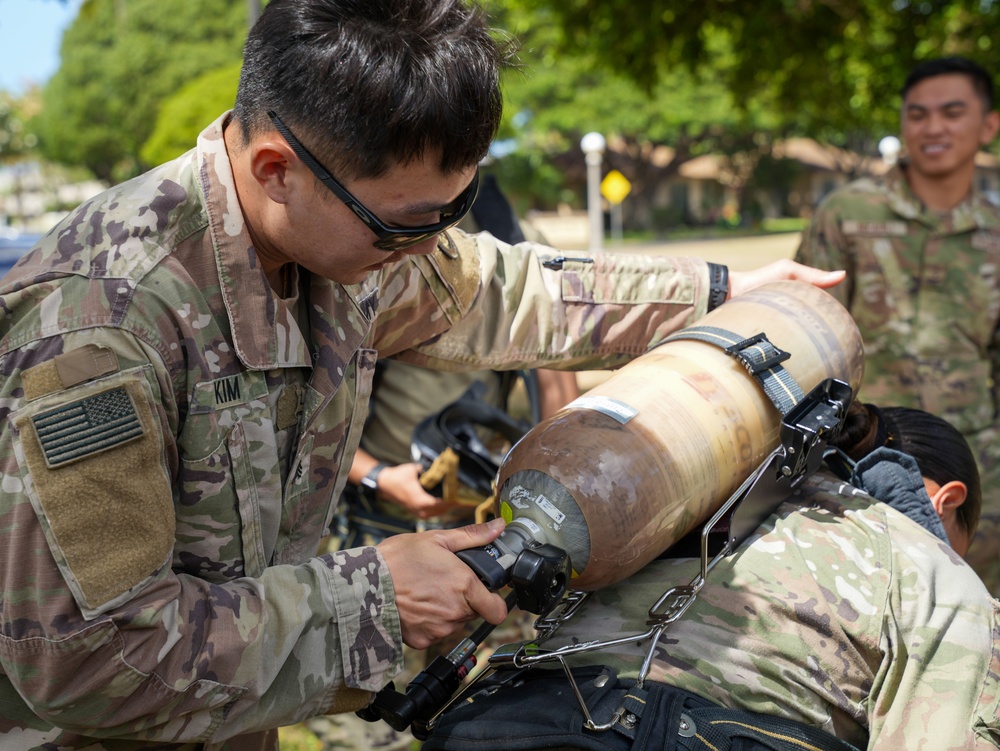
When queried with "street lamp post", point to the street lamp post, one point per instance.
{"points": [[889, 148], [593, 145]]}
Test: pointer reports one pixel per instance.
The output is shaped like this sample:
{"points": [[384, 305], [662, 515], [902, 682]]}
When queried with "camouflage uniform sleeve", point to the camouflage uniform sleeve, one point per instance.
{"points": [[938, 685], [824, 247], [99, 635], [528, 306]]}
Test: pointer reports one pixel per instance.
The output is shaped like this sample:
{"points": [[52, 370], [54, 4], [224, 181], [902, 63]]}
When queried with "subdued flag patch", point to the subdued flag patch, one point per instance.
{"points": [[88, 426]]}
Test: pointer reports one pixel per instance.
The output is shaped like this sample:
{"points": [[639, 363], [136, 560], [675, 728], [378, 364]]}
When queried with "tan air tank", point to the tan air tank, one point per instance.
{"points": [[632, 466]]}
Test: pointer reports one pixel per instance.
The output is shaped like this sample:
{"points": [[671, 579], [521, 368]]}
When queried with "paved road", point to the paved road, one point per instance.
{"points": [[571, 233], [739, 254]]}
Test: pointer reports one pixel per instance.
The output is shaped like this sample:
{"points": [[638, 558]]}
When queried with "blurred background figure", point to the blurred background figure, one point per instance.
{"points": [[921, 247]]}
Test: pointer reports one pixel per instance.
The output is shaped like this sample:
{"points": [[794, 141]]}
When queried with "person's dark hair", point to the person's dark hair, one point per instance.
{"points": [[982, 81], [366, 84], [939, 449]]}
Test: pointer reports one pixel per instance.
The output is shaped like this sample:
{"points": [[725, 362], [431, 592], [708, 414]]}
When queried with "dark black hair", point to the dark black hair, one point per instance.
{"points": [[982, 82], [939, 449], [366, 84]]}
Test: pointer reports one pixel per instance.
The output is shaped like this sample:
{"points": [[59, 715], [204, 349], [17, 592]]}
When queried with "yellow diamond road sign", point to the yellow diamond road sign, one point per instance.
{"points": [[615, 186]]}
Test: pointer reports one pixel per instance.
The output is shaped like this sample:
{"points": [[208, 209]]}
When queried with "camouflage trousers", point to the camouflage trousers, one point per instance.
{"points": [[984, 553]]}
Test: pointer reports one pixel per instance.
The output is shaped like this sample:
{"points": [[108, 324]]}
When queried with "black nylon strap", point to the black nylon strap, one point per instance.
{"points": [[536, 709], [761, 359]]}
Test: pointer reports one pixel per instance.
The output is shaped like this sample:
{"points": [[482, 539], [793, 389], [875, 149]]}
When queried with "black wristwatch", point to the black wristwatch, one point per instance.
{"points": [[369, 483], [718, 285]]}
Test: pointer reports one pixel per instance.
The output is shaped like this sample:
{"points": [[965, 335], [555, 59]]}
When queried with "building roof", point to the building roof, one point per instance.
{"points": [[812, 154]]}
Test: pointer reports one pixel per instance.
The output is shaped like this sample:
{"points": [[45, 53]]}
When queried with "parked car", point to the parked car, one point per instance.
{"points": [[13, 246]]}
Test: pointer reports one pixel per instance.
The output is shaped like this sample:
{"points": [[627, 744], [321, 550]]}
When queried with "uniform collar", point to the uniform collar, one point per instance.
{"points": [[894, 478], [265, 331], [975, 212]]}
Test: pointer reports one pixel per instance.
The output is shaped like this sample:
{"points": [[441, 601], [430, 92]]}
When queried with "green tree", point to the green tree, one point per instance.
{"points": [[17, 138], [18, 141], [120, 59], [185, 114], [557, 96], [832, 68]]}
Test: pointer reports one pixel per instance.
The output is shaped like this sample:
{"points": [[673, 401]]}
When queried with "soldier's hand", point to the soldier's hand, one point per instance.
{"points": [[785, 269], [401, 485], [435, 591]]}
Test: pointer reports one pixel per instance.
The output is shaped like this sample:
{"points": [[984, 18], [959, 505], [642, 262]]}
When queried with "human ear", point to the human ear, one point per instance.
{"points": [[269, 165], [949, 497], [991, 123]]}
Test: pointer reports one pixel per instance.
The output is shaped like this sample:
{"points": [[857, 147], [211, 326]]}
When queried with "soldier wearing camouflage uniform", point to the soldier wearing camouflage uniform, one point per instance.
{"points": [[394, 501], [921, 247], [839, 613], [185, 369]]}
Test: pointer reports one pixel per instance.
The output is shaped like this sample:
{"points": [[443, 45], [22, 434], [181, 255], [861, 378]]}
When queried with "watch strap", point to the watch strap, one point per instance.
{"points": [[718, 285], [370, 481]]}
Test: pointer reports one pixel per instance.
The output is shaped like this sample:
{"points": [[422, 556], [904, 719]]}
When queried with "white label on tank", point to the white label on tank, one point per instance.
{"points": [[549, 508], [611, 407], [529, 525]]}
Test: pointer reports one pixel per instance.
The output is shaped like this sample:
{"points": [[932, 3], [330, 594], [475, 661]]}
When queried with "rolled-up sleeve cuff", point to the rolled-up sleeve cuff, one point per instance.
{"points": [[367, 621]]}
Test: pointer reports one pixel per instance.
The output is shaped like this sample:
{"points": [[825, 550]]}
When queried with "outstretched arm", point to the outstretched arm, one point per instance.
{"points": [[785, 269]]}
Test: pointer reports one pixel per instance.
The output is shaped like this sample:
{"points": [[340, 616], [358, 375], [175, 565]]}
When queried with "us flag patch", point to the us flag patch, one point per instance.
{"points": [[87, 427]]}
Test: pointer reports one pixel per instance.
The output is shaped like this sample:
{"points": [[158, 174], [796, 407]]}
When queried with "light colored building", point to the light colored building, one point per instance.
{"points": [[710, 182], [34, 197]]}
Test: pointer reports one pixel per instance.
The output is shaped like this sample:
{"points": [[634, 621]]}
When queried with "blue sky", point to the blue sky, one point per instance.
{"points": [[30, 32]]}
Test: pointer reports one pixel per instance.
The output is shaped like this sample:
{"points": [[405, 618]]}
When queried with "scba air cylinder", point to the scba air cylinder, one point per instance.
{"points": [[628, 469]]}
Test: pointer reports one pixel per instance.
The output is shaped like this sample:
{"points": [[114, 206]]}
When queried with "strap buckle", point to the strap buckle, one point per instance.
{"points": [[771, 355]]}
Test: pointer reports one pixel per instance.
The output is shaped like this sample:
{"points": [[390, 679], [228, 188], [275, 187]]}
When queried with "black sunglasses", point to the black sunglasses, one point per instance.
{"points": [[389, 238]]}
